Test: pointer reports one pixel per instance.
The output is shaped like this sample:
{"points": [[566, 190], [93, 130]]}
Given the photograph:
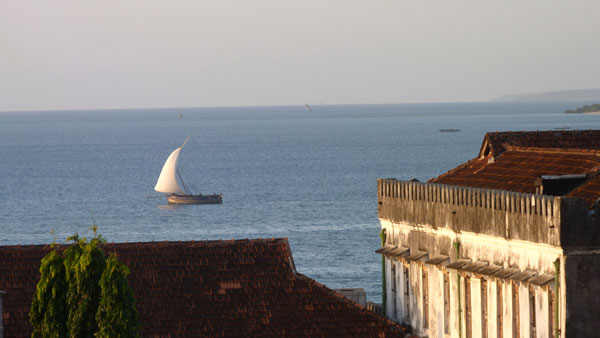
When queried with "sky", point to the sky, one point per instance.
{"points": [[73, 54]]}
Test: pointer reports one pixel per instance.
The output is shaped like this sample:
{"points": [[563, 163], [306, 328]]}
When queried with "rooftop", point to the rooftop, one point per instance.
{"points": [[494, 143], [560, 163], [207, 288]]}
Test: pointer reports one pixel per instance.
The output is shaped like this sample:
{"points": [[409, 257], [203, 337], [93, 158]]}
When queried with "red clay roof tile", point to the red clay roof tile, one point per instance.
{"points": [[494, 142], [514, 160], [211, 288]]}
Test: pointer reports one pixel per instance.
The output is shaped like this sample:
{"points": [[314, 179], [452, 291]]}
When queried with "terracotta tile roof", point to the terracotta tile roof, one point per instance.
{"points": [[590, 191], [493, 143], [517, 168], [209, 288]]}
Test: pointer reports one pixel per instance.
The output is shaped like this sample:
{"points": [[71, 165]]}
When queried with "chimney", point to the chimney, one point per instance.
{"points": [[2, 293]]}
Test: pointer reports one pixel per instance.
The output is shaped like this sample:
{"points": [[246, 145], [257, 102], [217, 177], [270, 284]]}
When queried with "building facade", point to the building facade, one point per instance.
{"points": [[481, 251]]}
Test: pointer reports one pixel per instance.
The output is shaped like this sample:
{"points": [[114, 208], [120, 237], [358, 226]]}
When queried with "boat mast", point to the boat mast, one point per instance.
{"points": [[178, 174], [184, 142], [182, 182]]}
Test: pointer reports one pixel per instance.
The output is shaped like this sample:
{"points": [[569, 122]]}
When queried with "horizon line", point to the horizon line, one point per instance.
{"points": [[495, 100]]}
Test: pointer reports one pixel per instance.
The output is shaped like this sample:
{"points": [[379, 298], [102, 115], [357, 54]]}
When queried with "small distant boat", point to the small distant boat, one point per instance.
{"points": [[307, 107], [448, 130], [167, 183], [179, 115]]}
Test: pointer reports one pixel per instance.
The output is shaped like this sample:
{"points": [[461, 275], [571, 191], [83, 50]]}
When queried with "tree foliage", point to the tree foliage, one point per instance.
{"points": [[592, 108], [49, 307], [81, 292], [84, 263], [116, 314]]}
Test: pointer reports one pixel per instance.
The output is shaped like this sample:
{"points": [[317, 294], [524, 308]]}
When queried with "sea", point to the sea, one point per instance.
{"points": [[308, 176]]}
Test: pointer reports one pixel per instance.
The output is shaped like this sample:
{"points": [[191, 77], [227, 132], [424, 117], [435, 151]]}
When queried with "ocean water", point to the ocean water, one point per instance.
{"points": [[283, 172]]}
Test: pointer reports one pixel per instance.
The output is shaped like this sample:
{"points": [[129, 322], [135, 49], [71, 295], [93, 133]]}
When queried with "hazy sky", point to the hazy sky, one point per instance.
{"points": [[73, 54]]}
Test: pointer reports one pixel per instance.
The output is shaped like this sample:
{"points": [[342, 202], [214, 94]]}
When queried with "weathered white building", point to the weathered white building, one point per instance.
{"points": [[505, 245]]}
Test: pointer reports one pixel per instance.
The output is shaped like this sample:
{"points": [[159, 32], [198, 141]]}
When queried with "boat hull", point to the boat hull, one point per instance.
{"points": [[195, 199]]}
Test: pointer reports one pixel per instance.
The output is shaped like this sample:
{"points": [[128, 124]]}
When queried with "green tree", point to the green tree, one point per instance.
{"points": [[117, 315], [49, 307], [84, 263], [76, 292]]}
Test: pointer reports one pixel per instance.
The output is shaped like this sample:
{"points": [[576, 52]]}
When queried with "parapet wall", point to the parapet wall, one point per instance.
{"points": [[505, 214]]}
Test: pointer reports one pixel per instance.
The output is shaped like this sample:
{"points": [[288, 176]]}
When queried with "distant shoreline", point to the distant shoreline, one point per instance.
{"points": [[588, 109], [562, 95]]}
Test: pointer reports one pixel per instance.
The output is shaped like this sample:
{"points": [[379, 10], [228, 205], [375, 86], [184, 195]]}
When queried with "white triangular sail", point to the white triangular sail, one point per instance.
{"points": [[167, 181]]}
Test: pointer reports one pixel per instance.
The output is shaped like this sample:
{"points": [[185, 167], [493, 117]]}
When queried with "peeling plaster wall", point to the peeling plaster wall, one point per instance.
{"points": [[454, 310], [415, 294], [436, 294], [522, 231], [508, 215], [556, 221], [523, 256], [506, 253]]}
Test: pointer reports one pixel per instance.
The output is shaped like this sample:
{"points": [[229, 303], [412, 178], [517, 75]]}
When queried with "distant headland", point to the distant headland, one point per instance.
{"points": [[589, 109], [562, 95]]}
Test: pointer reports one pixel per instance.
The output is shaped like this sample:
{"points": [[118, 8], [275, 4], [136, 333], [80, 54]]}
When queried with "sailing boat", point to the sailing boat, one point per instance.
{"points": [[307, 107], [167, 183]]}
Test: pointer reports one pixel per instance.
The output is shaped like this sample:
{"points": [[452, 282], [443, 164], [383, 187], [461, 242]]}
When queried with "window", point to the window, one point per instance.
{"points": [[394, 296], [499, 307], [532, 328], [515, 309], [446, 302], [406, 293], [484, 311], [468, 328], [425, 293], [551, 311]]}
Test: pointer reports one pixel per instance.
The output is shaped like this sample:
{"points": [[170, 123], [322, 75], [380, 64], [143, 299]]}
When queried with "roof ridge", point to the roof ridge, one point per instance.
{"points": [[580, 151], [551, 131], [207, 243]]}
